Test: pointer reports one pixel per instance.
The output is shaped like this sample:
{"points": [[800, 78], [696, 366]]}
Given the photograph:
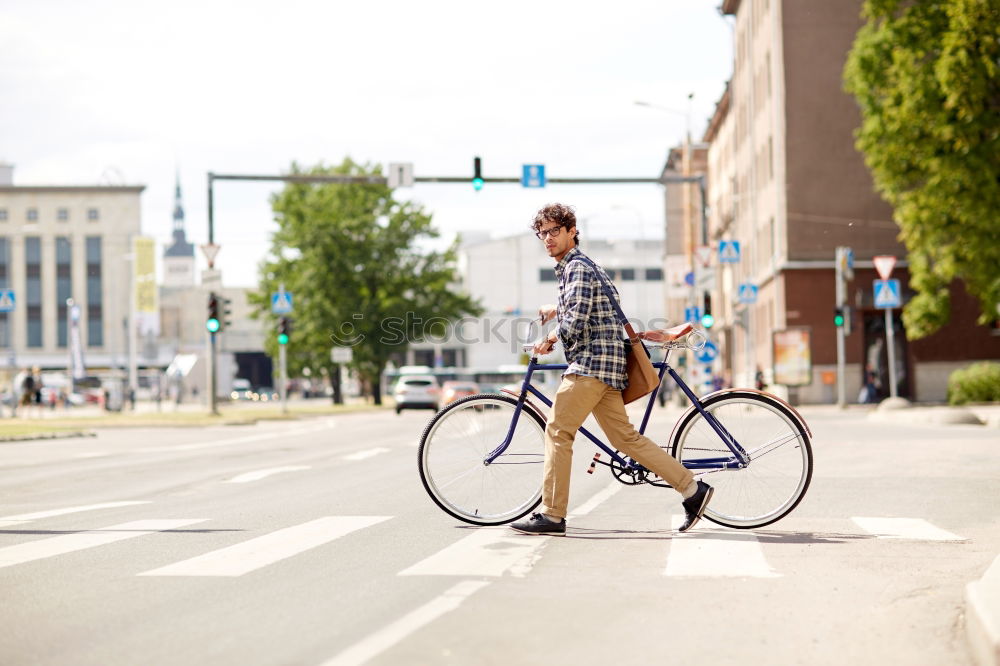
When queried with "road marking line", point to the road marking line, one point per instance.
{"points": [[264, 473], [68, 543], [367, 453], [235, 440], [595, 501], [904, 528], [268, 549], [716, 555], [390, 635], [488, 551], [25, 517]]}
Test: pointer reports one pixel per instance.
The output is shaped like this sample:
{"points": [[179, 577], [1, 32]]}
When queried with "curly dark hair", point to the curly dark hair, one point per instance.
{"points": [[561, 214]]}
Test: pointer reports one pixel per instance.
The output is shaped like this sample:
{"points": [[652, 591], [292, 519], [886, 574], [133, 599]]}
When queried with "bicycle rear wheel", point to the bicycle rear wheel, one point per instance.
{"points": [[781, 461], [455, 445]]}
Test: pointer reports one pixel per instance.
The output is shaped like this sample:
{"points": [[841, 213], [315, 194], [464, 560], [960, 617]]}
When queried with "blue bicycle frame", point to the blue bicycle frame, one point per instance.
{"points": [[738, 460]]}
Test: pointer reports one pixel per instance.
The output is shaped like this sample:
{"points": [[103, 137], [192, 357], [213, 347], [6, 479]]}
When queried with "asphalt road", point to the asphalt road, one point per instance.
{"points": [[314, 543]]}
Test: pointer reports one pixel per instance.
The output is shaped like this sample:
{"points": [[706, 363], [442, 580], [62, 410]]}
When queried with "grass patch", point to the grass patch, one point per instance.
{"points": [[227, 416]]}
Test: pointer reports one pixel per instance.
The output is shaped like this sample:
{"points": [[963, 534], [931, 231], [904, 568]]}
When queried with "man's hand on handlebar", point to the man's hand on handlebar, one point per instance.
{"points": [[543, 346], [547, 313]]}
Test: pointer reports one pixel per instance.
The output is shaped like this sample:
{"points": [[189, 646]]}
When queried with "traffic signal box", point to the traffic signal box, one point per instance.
{"points": [[284, 329], [213, 323], [477, 174]]}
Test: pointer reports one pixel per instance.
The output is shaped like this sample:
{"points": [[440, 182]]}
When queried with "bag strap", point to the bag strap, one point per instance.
{"points": [[622, 319]]}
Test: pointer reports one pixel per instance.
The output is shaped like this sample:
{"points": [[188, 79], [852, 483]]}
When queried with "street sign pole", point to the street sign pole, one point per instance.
{"points": [[890, 341], [841, 362]]}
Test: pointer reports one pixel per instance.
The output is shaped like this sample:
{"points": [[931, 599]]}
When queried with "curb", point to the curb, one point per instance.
{"points": [[982, 617], [47, 435], [931, 415]]}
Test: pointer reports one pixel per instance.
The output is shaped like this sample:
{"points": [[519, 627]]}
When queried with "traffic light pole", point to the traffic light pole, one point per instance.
{"points": [[213, 401], [283, 376], [841, 296]]}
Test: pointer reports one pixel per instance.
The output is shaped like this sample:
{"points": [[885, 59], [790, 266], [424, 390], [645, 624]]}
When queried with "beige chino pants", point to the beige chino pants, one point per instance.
{"points": [[577, 397]]}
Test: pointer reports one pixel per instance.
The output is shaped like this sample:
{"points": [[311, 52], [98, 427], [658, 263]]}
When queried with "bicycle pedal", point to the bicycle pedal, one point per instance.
{"points": [[593, 463]]}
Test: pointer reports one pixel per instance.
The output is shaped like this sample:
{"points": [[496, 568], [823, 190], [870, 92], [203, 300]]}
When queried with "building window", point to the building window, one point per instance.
{"points": [[628, 274], [3, 214], [612, 273], [62, 214], [95, 319], [32, 215], [546, 275], [33, 289], [654, 274], [64, 286], [92, 215], [4, 268]]}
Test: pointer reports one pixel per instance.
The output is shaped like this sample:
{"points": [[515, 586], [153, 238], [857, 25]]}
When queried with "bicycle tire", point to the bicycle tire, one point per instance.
{"points": [[456, 442], [781, 460]]}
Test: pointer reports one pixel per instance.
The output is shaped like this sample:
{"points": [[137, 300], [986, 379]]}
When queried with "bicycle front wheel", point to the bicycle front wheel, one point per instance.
{"points": [[780, 467], [452, 459]]}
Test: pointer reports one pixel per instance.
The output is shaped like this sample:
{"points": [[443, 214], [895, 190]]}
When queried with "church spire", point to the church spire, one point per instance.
{"points": [[178, 208], [180, 246]]}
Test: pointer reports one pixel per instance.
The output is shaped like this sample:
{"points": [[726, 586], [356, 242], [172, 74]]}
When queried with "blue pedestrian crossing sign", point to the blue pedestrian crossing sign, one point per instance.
{"points": [[533, 175], [692, 314], [281, 302], [7, 300], [707, 353], [887, 294], [729, 252], [748, 293]]}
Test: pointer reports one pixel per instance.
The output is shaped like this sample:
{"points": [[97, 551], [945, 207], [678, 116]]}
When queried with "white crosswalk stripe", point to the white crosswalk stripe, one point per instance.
{"points": [[904, 528], [68, 543], [702, 553], [485, 552], [264, 550]]}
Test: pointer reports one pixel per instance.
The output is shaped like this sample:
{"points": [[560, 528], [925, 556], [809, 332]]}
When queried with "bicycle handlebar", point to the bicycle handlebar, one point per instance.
{"points": [[695, 340]]}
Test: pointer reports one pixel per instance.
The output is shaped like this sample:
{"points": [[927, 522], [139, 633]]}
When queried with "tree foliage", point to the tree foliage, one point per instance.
{"points": [[926, 75], [352, 257]]}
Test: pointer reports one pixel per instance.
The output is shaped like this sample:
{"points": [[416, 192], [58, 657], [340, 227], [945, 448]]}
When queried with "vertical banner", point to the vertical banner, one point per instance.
{"points": [[78, 368], [147, 307], [792, 357]]}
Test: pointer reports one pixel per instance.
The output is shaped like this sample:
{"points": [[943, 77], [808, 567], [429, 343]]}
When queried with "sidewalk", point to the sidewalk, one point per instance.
{"points": [[899, 410]]}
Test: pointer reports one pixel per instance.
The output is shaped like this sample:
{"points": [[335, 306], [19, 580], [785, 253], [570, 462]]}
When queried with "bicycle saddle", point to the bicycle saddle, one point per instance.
{"points": [[667, 334]]}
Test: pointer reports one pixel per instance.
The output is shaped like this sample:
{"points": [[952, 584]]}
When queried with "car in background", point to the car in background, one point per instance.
{"points": [[241, 390], [265, 394], [456, 390], [416, 392]]}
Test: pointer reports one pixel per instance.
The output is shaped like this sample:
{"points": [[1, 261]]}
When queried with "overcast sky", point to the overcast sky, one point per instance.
{"points": [[137, 91]]}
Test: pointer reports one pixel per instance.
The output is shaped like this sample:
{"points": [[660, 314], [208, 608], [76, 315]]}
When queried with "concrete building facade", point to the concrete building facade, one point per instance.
{"points": [[62, 242], [786, 182]]}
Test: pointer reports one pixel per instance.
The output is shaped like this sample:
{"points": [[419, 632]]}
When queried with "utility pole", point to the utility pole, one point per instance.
{"points": [[843, 271]]}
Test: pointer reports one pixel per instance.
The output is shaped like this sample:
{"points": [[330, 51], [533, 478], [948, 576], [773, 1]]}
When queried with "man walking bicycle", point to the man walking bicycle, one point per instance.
{"points": [[592, 384]]}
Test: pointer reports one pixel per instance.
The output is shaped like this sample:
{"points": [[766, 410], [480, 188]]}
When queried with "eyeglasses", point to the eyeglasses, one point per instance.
{"points": [[545, 233]]}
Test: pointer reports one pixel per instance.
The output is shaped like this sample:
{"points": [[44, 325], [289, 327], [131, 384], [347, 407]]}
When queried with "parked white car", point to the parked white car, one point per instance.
{"points": [[417, 392]]}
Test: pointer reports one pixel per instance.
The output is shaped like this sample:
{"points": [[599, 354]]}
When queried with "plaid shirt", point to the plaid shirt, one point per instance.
{"points": [[590, 333]]}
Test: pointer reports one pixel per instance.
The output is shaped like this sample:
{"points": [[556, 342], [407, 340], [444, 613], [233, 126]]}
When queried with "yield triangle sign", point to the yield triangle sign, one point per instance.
{"points": [[210, 250], [703, 254], [884, 265]]}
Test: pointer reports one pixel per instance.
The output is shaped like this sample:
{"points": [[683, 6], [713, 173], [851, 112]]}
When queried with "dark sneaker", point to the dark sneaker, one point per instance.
{"points": [[695, 505], [537, 523]]}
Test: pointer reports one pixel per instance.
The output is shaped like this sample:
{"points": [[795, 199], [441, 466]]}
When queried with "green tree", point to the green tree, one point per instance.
{"points": [[352, 257], [925, 74]]}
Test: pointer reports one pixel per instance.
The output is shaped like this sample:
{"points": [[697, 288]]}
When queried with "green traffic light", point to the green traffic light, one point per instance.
{"points": [[707, 320], [282, 338], [212, 325], [477, 184], [838, 320]]}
